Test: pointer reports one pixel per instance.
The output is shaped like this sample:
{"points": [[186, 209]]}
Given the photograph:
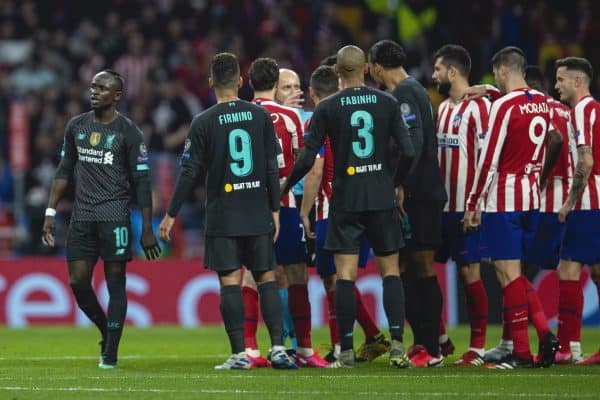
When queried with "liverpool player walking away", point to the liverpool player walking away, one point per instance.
{"points": [[507, 183], [424, 197], [317, 192], [106, 160], [235, 143], [581, 210], [359, 122], [460, 127]]}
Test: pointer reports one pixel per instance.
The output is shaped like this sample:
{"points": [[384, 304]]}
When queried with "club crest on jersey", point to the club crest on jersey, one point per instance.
{"points": [[143, 150], [109, 141], [95, 138], [457, 120]]}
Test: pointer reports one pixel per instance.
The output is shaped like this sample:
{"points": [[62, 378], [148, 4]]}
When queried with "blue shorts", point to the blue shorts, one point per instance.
{"points": [[290, 247], [545, 249], [509, 235], [324, 258], [581, 241], [463, 248]]}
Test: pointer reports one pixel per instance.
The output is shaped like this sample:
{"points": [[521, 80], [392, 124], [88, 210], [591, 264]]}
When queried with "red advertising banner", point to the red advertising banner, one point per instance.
{"points": [[36, 291]]}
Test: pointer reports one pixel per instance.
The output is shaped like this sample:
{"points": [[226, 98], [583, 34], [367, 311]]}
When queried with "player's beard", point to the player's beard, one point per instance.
{"points": [[444, 88]]}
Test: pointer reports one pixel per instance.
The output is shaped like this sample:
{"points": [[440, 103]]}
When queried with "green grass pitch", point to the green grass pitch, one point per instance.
{"points": [[177, 363]]}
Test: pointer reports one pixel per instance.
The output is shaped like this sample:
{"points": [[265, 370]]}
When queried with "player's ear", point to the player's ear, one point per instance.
{"points": [[240, 82], [211, 83], [312, 94], [118, 95], [365, 69]]}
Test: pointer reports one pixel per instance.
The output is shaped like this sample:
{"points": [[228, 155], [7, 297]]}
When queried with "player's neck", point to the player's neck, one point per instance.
{"points": [[225, 96], [578, 96], [458, 90], [514, 83], [351, 82], [392, 77], [265, 94], [105, 115]]}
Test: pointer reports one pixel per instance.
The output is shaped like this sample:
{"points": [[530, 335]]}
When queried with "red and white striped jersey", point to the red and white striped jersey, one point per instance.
{"points": [[585, 118], [507, 177], [290, 132], [559, 180], [324, 192], [460, 128]]}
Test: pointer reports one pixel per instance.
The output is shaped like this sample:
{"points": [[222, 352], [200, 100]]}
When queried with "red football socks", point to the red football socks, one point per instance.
{"points": [[300, 311], [477, 310], [570, 308], [250, 297]]}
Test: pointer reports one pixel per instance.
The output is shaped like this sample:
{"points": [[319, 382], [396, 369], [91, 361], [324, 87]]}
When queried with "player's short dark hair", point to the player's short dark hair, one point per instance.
{"points": [[576, 64], [453, 55], [324, 81], [225, 70], [263, 73], [535, 77], [329, 60], [511, 57], [388, 54], [118, 78]]}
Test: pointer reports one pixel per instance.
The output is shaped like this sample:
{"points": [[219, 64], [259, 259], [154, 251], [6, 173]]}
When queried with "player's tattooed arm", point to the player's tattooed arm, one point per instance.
{"points": [[554, 142], [580, 179]]}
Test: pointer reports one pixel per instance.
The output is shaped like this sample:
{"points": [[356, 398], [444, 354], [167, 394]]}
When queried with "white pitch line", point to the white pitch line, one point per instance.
{"points": [[300, 392]]}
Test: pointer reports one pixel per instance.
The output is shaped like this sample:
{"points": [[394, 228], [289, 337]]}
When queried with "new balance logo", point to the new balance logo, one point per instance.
{"points": [[120, 252]]}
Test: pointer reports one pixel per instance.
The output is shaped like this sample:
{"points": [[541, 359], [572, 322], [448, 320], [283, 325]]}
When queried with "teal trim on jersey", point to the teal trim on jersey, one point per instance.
{"points": [[142, 167]]}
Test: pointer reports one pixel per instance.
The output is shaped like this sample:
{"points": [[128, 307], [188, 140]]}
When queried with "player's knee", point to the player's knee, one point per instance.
{"points": [[263, 276], [296, 274], [568, 271], [595, 274]]}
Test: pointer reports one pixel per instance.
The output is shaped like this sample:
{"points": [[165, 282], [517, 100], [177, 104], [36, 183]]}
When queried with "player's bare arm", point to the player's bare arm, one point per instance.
{"points": [[580, 179], [311, 186], [59, 186], [554, 142]]}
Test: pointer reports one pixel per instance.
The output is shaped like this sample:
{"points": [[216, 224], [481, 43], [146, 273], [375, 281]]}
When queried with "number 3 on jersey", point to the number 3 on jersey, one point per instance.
{"points": [[364, 122], [240, 150]]}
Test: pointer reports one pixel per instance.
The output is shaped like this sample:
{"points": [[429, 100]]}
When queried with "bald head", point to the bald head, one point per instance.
{"points": [[350, 61], [287, 86]]}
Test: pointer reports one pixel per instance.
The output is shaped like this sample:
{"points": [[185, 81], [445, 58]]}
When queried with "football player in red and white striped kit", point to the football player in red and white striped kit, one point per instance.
{"points": [[460, 126], [582, 234], [507, 186], [555, 183]]}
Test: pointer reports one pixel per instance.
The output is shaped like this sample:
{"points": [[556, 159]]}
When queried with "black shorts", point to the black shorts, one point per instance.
{"points": [[346, 229], [111, 240], [226, 253], [425, 219]]}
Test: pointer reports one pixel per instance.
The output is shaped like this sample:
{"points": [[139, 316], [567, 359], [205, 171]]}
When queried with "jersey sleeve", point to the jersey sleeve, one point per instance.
{"points": [[272, 149], [582, 125], [297, 131], [313, 143], [413, 118], [139, 169], [68, 154], [405, 146], [192, 160], [480, 117], [490, 154]]}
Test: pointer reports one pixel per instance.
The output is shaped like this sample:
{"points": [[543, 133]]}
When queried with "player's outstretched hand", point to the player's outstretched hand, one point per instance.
{"points": [[48, 231], [563, 213], [150, 244], [475, 92], [283, 188], [275, 225], [306, 223], [471, 220], [295, 100], [164, 230]]}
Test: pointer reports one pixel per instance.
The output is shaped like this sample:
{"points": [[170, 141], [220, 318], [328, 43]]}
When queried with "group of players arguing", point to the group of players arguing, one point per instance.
{"points": [[505, 173]]}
